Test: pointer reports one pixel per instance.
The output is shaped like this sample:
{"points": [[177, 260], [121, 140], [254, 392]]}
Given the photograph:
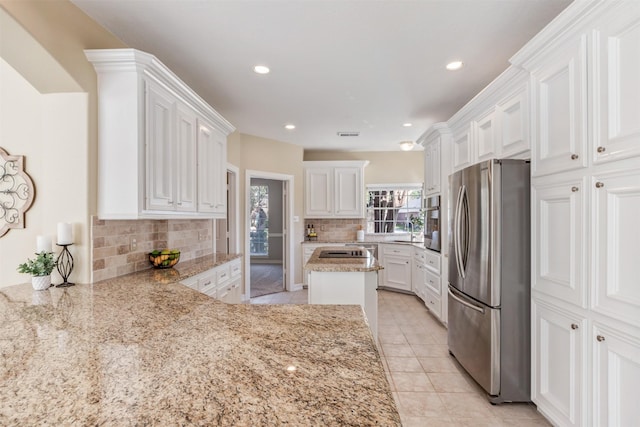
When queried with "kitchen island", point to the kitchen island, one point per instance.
{"points": [[345, 280], [143, 349]]}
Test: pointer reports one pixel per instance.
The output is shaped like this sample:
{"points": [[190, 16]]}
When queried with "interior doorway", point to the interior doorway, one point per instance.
{"points": [[267, 243], [227, 230]]}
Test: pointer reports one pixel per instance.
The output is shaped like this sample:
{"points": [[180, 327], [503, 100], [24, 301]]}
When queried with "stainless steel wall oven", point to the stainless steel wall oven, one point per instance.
{"points": [[432, 223]]}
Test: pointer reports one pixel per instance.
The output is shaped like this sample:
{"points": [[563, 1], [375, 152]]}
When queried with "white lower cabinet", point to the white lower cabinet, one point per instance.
{"points": [[223, 282], [307, 251], [616, 375], [396, 261], [558, 365]]}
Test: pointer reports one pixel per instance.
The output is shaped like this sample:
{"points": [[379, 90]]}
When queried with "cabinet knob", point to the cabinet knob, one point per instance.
{"points": [[575, 189], [599, 184], [600, 338], [170, 202], [574, 326], [601, 149], [574, 157], [179, 203]]}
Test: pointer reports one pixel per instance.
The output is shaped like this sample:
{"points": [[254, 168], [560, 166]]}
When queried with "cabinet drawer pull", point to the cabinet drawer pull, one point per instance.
{"points": [[599, 184], [207, 284], [179, 203], [170, 202], [574, 157], [575, 189], [601, 149], [574, 326], [600, 338]]}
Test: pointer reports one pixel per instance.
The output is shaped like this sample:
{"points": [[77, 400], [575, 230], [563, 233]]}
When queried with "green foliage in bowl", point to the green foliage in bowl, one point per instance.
{"points": [[166, 258], [42, 265]]}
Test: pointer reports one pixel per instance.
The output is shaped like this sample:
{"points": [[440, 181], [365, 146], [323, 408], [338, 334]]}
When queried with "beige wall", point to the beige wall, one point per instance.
{"points": [[389, 167], [48, 110], [270, 156]]}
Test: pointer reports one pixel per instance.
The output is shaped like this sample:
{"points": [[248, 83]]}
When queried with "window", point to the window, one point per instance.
{"points": [[391, 207], [259, 233]]}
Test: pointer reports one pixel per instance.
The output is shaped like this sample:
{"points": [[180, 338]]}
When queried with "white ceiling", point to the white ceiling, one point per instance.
{"points": [[336, 65]]}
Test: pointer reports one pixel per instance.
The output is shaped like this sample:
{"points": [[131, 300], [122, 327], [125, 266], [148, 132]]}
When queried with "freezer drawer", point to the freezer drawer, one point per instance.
{"points": [[474, 339]]}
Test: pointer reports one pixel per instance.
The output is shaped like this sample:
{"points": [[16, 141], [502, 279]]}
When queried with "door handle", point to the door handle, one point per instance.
{"points": [[466, 304]]}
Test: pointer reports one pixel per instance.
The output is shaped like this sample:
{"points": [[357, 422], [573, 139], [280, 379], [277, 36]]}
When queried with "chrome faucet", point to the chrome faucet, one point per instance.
{"points": [[411, 224]]}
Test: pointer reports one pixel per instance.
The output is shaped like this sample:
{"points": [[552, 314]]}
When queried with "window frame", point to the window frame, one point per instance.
{"points": [[407, 210]]}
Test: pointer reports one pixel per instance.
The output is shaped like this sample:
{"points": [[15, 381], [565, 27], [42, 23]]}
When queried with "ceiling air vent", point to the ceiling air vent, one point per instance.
{"points": [[352, 133]]}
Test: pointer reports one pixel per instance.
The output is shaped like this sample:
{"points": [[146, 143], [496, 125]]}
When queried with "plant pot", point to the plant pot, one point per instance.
{"points": [[40, 283]]}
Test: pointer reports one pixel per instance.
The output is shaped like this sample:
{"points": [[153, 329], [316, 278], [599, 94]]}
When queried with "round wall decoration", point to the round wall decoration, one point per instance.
{"points": [[16, 192]]}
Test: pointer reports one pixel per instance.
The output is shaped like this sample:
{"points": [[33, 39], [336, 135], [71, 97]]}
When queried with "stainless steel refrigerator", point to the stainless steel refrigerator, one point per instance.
{"points": [[489, 276]]}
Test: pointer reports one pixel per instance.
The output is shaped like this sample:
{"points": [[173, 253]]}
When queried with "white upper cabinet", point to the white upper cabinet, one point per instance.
{"points": [[349, 197], [616, 86], [153, 161], [463, 147], [433, 141], [559, 85], [318, 192], [160, 165], [334, 189], [486, 136], [513, 131], [212, 157]]}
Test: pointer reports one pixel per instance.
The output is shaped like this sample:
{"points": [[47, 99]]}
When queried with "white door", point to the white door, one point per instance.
{"points": [[348, 192], [318, 192], [616, 360], [616, 106], [560, 87], [558, 365], [558, 229], [185, 161], [616, 244], [212, 170], [160, 171]]}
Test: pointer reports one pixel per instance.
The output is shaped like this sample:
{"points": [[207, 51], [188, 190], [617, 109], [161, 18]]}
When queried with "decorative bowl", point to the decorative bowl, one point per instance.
{"points": [[166, 258]]}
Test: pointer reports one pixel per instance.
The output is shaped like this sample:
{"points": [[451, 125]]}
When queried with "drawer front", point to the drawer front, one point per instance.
{"points": [[397, 250], [207, 284], [432, 261], [223, 292], [432, 302], [236, 268], [420, 255], [191, 282], [223, 274], [432, 282]]}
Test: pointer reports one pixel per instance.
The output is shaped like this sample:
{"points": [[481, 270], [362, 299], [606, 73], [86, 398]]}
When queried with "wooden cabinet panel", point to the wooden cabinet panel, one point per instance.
{"points": [[212, 194], [514, 124], [462, 153], [186, 173], [348, 192], [318, 192], [486, 136]]}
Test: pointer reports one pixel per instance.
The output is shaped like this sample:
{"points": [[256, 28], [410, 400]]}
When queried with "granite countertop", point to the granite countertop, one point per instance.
{"points": [[316, 263], [142, 349]]}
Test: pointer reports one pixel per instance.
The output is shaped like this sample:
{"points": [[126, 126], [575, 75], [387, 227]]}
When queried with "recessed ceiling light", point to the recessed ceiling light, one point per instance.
{"points": [[455, 65], [290, 127], [407, 125], [261, 69], [407, 145]]}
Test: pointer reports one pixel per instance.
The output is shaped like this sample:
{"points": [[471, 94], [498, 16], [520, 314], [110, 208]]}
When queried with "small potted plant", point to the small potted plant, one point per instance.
{"points": [[40, 270]]}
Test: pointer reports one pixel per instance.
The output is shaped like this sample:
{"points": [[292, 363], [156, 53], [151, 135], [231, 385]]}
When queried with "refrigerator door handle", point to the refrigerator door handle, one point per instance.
{"points": [[465, 303], [464, 227], [456, 225]]}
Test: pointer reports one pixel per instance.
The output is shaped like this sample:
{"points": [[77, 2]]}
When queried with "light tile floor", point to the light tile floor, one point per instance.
{"points": [[429, 386]]}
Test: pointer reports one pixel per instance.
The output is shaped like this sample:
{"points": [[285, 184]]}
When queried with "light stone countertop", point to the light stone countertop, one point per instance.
{"points": [[142, 349], [316, 263]]}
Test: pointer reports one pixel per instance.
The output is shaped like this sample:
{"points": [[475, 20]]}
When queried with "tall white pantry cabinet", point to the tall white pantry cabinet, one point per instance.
{"points": [[585, 86]]}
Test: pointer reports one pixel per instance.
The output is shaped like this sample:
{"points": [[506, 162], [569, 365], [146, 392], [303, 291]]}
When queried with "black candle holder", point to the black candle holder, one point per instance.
{"points": [[65, 265]]}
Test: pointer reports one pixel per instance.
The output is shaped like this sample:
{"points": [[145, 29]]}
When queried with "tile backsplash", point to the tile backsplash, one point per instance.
{"points": [[336, 230], [114, 254]]}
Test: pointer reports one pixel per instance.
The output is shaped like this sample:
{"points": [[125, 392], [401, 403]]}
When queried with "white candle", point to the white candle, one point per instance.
{"points": [[64, 233], [43, 244]]}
